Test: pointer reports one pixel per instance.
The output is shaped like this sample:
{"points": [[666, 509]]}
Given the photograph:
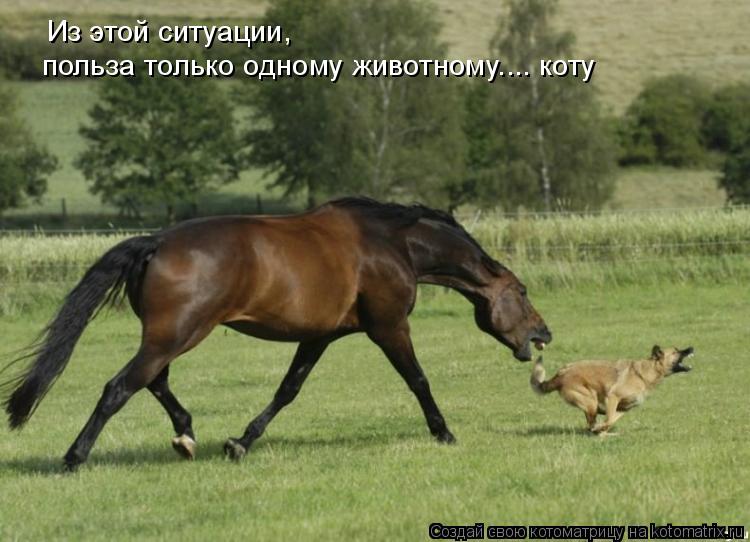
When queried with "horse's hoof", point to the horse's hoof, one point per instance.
{"points": [[185, 446], [234, 450], [71, 462], [446, 437]]}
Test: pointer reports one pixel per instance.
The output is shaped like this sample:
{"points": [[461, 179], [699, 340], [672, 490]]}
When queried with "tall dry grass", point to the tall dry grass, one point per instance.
{"points": [[556, 251]]}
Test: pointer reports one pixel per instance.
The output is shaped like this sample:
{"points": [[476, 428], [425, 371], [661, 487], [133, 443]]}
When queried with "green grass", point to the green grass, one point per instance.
{"points": [[352, 458]]}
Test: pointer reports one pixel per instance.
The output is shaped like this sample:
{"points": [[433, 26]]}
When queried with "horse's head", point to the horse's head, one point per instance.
{"points": [[504, 311]]}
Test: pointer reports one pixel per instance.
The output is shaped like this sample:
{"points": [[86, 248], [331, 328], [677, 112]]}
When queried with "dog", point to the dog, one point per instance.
{"points": [[610, 388]]}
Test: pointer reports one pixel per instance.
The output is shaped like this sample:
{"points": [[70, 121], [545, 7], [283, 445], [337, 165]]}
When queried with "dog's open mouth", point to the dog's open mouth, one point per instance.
{"points": [[681, 366]]}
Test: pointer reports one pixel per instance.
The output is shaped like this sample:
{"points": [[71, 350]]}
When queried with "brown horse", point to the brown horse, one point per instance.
{"points": [[348, 266]]}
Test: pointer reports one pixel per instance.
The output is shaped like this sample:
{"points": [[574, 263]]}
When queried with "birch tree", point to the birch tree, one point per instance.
{"points": [[537, 142], [386, 137]]}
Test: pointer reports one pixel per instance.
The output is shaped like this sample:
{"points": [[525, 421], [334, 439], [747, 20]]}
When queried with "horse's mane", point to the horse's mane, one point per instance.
{"points": [[406, 214], [402, 216]]}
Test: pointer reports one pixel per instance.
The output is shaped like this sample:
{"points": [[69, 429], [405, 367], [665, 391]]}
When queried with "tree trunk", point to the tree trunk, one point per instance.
{"points": [[378, 182], [310, 196], [546, 184], [540, 142]]}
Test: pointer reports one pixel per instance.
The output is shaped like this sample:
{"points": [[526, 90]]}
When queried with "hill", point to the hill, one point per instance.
{"points": [[631, 40]]}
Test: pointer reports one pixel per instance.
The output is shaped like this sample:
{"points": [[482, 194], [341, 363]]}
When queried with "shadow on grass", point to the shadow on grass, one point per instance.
{"points": [[162, 453], [551, 431], [46, 465], [352, 441]]}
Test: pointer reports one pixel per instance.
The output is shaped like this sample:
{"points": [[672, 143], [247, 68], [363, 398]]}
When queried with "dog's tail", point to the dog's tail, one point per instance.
{"points": [[538, 384]]}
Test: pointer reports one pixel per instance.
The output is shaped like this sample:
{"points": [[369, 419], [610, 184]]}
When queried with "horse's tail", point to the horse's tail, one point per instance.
{"points": [[102, 283], [538, 384]]}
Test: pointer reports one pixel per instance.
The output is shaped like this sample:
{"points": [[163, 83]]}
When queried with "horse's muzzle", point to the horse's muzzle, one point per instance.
{"points": [[540, 337]]}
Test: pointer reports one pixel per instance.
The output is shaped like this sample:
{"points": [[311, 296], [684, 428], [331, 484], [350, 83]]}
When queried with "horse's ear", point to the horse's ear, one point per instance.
{"points": [[656, 352]]}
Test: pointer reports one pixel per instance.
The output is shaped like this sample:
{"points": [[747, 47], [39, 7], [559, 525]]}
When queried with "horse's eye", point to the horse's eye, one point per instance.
{"points": [[523, 291]]}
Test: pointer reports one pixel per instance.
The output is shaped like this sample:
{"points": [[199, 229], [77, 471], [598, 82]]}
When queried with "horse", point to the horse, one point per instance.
{"points": [[350, 265]]}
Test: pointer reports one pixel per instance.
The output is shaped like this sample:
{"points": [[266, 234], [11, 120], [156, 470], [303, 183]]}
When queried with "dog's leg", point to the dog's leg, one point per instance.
{"points": [[612, 416], [583, 399], [590, 418]]}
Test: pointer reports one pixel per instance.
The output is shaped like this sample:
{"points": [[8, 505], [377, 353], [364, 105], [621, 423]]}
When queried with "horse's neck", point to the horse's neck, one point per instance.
{"points": [[444, 257]]}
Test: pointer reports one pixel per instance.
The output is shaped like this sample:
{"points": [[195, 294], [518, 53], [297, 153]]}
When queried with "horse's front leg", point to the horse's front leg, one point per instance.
{"points": [[307, 355], [396, 344]]}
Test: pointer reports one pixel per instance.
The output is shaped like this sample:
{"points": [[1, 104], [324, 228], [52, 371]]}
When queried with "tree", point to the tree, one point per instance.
{"points": [[726, 128], [736, 171], [665, 121], [159, 140], [24, 164], [384, 137], [727, 118], [288, 114], [536, 142], [405, 133]]}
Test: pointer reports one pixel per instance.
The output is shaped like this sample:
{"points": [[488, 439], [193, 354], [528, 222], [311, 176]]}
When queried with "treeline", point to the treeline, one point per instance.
{"points": [[680, 121], [527, 142]]}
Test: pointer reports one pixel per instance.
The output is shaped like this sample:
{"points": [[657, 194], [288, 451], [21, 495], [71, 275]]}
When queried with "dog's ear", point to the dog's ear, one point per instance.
{"points": [[656, 352]]}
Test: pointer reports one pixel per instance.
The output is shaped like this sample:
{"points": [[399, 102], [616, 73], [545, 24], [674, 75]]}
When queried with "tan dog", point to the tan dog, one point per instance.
{"points": [[611, 388]]}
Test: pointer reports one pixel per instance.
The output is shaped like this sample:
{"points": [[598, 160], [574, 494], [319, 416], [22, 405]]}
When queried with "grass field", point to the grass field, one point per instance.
{"points": [[352, 458], [632, 41], [667, 188]]}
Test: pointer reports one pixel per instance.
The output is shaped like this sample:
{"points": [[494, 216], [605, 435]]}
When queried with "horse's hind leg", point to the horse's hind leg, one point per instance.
{"points": [[307, 355], [184, 441], [138, 373]]}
